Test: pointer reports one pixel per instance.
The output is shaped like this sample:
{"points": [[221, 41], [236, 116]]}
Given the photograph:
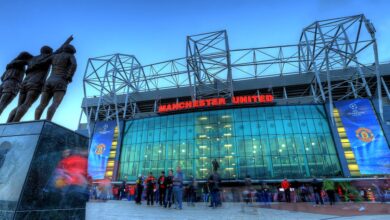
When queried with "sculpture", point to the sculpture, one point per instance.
{"points": [[12, 78], [34, 81], [32, 84], [215, 165], [63, 68]]}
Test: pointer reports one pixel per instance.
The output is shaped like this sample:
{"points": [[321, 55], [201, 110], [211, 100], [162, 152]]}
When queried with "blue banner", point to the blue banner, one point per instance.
{"points": [[365, 134], [100, 149]]}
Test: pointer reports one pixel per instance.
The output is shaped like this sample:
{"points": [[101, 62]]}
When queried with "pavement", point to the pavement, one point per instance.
{"points": [[340, 209], [118, 210]]}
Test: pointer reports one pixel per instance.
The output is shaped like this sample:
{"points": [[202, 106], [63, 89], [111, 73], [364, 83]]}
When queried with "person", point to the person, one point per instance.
{"points": [[169, 186], [330, 190], [131, 190], [156, 194], [186, 190], [195, 186], [106, 189], [293, 191], [71, 177], [317, 188], [214, 182], [259, 196], [139, 189], [379, 194], [266, 194], [12, 78], [303, 192], [286, 187], [248, 189], [115, 192], [95, 191], [150, 187], [162, 187], [192, 187], [122, 190], [206, 192], [178, 188]]}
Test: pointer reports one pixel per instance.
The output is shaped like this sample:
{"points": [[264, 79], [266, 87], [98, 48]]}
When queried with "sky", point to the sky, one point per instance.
{"points": [[156, 31]]}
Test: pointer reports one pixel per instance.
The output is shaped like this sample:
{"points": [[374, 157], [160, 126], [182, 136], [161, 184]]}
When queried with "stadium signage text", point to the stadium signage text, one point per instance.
{"points": [[213, 102]]}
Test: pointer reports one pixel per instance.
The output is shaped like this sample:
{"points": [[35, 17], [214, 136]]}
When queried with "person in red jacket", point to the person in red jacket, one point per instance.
{"points": [[131, 192], [150, 187], [74, 168], [286, 187], [115, 192]]}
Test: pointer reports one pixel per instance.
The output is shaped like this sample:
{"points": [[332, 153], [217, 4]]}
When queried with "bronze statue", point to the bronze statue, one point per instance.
{"points": [[63, 68], [34, 81], [12, 78], [32, 84], [215, 165]]}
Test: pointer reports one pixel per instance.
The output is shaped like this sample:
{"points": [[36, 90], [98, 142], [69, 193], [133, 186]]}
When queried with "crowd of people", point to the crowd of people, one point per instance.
{"points": [[169, 190], [165, 191], [319, 191]]}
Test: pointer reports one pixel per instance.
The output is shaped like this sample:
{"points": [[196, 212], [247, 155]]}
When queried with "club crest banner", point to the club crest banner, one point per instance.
{"points": [[100, 149], [365, 134]]}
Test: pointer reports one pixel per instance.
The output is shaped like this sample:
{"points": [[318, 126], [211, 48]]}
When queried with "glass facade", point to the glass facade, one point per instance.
{"points": [[263, 142]]}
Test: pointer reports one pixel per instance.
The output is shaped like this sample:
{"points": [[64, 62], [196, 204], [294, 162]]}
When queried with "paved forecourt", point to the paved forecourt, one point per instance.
{"points": [[115, 210]]}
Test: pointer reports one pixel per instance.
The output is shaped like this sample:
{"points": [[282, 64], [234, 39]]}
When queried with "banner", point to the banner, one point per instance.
{"points": [[365, 134], [100, 149]]}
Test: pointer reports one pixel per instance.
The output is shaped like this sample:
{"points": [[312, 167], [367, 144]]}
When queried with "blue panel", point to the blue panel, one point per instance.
{"points": [[371, 150], [100, 149]]}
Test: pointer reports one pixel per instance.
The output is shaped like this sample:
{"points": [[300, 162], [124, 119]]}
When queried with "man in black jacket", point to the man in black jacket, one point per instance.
{"points": [[214, 181], [122, 190], [317, 188], [169, 187], [139, 189]]}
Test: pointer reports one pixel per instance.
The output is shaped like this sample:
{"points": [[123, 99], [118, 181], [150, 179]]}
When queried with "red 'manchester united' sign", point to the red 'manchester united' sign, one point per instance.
{"points": [[202, 103]]}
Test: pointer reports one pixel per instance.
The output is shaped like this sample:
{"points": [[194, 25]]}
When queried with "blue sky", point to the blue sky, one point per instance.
{"points": [[155, 30]]}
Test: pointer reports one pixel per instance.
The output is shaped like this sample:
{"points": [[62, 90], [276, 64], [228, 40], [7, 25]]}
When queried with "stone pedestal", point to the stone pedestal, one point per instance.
{"points": [[42, 169]]}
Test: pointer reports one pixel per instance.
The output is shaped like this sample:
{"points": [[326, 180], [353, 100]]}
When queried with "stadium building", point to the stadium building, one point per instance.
{"points": [[318, 108]]}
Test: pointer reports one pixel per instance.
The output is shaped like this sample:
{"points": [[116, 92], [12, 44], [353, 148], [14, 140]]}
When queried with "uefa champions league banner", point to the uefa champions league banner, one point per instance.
{"points": [[365, 134], [100, 149]]}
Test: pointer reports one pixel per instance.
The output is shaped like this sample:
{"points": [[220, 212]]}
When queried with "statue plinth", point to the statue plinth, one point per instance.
{"points": [[30, 178]]}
